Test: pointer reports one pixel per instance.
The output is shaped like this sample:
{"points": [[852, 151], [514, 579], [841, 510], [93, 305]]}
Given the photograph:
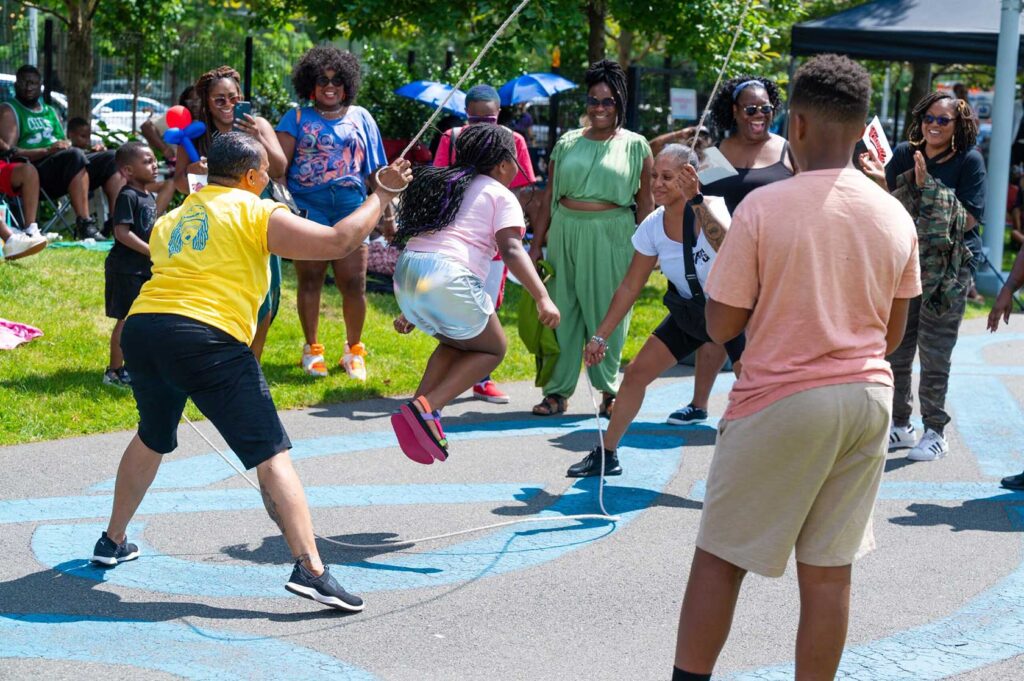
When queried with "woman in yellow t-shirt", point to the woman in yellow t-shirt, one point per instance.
{"points": [[188, 333]]}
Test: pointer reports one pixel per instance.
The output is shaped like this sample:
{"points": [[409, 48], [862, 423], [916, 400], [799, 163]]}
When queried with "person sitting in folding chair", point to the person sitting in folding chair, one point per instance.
{"points": [[32, 130]]}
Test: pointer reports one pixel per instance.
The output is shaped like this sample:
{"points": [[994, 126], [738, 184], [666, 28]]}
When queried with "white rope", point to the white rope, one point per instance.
{"points": [[604, 515], [472, 67], [721, 71]]}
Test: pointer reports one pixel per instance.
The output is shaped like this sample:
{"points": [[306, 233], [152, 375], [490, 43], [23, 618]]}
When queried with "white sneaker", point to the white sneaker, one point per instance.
{"points": [[354, 361], [902, 438], [313, 360], [33, 230], [931, 447], [21, 245]]}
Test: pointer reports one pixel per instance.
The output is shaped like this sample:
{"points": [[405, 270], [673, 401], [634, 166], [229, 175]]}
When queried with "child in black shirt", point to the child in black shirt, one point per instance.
{"points": [[128, 265]]}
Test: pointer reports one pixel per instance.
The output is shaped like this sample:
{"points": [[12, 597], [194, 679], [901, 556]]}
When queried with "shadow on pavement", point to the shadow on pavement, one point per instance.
{"points": [[987, 515]]}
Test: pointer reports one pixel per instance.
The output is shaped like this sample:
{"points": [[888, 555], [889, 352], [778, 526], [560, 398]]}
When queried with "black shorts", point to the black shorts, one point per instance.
{"points": [[120, 291], [171, 358], [101, 168], [684, 329], [57, 170]]}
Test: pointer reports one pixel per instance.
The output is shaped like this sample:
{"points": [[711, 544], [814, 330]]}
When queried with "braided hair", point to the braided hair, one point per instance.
{"points": [[965, 127], [202, 95], [434, 197], [721, 107], [611, 74]]}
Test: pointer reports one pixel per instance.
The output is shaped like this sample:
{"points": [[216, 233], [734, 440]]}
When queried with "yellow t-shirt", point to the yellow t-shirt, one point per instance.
{"points": [[210, 260]]}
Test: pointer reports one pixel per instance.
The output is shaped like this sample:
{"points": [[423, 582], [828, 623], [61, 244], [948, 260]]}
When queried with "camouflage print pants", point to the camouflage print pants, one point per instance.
{"points": [[933, 336]]}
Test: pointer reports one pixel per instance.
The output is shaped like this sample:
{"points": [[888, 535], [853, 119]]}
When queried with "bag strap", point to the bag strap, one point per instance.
{"points": [[689, 241]]}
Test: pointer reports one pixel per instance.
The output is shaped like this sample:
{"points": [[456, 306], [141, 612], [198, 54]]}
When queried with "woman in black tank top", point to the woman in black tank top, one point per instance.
{"points": [[742, 112]]}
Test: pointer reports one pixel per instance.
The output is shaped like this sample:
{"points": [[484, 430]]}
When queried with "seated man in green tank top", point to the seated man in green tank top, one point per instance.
{"points": [[34, 131]]}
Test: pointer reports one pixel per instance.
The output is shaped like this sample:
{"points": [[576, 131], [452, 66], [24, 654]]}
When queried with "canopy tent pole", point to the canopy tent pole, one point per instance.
{"points": [[1002, 138]]}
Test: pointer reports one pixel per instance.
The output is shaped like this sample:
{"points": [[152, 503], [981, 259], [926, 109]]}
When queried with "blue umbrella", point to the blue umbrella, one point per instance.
{"points": [[433, 93], [533, 85]]}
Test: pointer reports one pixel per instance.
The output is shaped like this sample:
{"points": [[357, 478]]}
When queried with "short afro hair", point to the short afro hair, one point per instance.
{"points": [[233, 154], [721, 106], [834, 86], [322, 58], [129, 152]]}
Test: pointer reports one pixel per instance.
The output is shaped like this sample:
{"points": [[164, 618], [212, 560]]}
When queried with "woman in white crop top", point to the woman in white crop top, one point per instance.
{"points": [[659, 238]]}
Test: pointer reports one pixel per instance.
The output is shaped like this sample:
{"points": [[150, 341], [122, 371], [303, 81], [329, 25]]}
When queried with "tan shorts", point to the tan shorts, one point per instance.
{"points": [[802, 472]]}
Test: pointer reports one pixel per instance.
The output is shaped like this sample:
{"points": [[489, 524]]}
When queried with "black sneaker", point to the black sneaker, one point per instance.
{"points": [[1015, 482], [122, 375], [323, 589], [591, 464], [688, 415], [110, 554], [85, 228]]}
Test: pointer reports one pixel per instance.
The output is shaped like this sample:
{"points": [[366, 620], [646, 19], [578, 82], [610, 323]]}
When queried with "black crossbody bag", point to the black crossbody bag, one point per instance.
{"points": [[688, 313]]}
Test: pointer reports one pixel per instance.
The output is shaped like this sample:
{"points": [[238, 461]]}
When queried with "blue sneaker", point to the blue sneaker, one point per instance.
{"points": [[688, 415], [110, 554], [323, 589]]}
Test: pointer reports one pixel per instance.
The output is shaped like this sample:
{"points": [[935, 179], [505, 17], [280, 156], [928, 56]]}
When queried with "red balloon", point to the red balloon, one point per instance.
{"points": [[178, 117]]}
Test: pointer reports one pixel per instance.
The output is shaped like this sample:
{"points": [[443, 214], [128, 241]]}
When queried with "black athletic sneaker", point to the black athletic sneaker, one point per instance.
{"points": [[323, 589], [687, 415], [110, 554], [591, 464]]}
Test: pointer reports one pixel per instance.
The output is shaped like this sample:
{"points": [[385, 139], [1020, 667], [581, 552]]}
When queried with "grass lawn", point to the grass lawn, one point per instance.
{"points": [[52, 387]]}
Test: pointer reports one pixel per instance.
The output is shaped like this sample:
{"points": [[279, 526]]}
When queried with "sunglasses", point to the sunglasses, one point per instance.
{"points": [[607, 102], [941, 121], [324, 81], [221, 100], [766, 109]]}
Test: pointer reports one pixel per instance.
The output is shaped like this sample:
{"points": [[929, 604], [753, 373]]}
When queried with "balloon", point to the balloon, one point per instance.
{"points": [[184, 138], [178, 117]]}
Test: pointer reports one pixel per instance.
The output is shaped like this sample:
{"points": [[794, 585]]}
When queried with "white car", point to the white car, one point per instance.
{"points": [[116, 110]]}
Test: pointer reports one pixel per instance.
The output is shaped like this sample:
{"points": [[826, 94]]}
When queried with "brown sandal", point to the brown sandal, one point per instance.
{"points": [[607, 405], [551, 405]]}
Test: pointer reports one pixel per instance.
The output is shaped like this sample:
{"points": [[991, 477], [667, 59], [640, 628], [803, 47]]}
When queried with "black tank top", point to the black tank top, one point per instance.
{"points": [[735, 188]]}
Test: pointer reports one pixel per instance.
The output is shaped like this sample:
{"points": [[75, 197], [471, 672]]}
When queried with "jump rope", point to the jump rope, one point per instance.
{"points": [[604, 515]]}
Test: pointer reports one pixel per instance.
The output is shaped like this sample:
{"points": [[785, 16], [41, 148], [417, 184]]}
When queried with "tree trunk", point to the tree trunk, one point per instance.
{"points": [[596, 14], [625, 47], [920, 86], [78, 71]]}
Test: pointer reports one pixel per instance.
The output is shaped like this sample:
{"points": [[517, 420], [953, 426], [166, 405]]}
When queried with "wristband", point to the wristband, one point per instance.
{"points": [[600, 341], [697, 200], [383, 186]]}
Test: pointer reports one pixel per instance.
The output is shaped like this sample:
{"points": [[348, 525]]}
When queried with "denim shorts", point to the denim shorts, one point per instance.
{"points": [[440, 296], [329, 204], [172, 358]]}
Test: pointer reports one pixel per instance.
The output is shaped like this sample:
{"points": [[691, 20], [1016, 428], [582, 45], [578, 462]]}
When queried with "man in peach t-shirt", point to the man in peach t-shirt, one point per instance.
{"points": [[819, 270]]}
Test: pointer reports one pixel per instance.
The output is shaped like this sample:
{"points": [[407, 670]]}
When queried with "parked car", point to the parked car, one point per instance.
{"points": [[115, 110], [147, 87]]}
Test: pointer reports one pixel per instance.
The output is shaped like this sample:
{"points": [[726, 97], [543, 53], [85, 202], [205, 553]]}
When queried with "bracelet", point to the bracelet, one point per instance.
{"points": [[383, 186], [600, 341]]}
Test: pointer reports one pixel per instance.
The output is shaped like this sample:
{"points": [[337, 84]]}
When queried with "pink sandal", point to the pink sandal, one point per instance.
{"points": [[423, 436], [408, 442]]}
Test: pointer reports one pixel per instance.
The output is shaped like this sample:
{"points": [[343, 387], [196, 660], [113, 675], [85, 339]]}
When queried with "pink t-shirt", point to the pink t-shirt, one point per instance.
{"points": [[443, 158], [487, 207], [818, 258]]}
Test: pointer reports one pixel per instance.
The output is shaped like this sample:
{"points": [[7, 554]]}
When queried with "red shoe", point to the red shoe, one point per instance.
{"points": [[488, 392]]}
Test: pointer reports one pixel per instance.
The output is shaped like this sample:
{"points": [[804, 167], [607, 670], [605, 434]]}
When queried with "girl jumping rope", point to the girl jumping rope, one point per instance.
{"points": [[452, 221]]}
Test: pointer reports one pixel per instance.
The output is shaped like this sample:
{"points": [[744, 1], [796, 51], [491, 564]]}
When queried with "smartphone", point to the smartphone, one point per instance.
{"points": [[242, 109]]}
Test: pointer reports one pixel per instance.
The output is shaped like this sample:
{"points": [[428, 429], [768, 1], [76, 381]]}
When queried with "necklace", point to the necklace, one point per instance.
{"points": [[337, 113]]}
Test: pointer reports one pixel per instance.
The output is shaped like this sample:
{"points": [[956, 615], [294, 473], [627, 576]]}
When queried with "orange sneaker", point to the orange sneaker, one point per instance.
{"points": [[313, 360], [354, 361]]}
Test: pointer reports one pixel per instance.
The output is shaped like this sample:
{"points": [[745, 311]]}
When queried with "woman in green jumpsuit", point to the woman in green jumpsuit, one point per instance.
{"points": [[596, 175]]}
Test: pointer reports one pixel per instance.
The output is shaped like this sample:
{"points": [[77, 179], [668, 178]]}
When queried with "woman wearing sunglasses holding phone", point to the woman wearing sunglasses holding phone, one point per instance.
{"points": [[596, 175], [742, 113], [333, 148], [214, 96], [940, 145]]}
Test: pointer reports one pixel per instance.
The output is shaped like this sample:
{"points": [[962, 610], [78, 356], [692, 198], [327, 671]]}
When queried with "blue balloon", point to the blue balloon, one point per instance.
{"points": [[184, 138]]}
